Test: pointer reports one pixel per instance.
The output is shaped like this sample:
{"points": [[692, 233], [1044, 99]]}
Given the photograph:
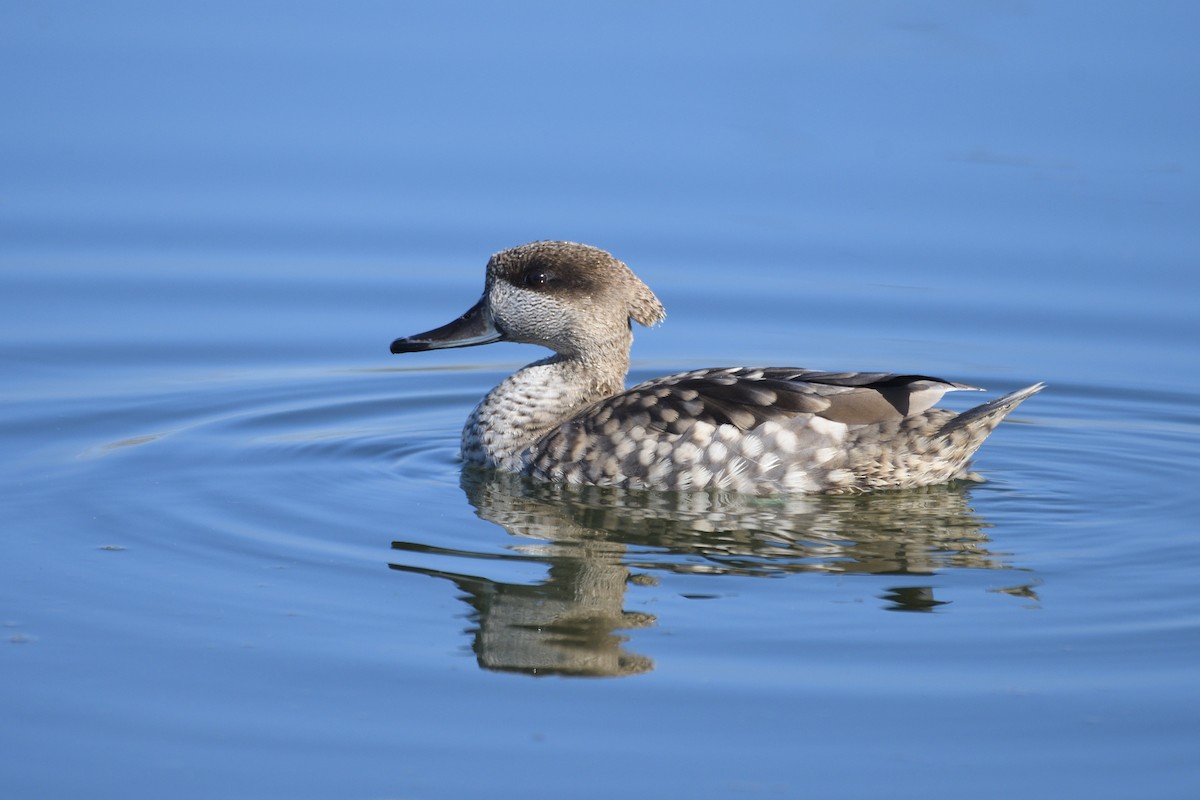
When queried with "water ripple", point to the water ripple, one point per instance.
{"points": [[273, 469]]}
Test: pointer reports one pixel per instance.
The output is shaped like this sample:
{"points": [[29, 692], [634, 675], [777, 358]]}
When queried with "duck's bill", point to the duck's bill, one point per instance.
{"points": [[472, 328]]}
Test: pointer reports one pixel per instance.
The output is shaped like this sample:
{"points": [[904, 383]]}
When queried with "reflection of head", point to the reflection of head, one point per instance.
{"points": [[564, 625]]}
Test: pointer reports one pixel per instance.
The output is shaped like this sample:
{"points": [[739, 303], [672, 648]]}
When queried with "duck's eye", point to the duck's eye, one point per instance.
{"points": [[536, 278]]}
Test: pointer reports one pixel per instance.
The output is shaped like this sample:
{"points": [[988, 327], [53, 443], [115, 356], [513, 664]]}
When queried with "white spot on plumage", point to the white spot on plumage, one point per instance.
{"points": [[701, 433], [736, 466], [824, 454], [768, 461], [796, 479], [646, 456], [784, 442], [840, 477], [751, 446], [686, 453], [827, 427], [624, 447]]}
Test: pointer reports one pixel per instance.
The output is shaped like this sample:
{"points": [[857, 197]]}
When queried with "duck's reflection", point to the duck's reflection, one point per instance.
{"points": [[595, 541]]}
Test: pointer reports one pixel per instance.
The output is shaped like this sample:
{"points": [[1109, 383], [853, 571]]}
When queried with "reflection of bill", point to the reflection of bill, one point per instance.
{"points": [[593, 541], [563, 626]]}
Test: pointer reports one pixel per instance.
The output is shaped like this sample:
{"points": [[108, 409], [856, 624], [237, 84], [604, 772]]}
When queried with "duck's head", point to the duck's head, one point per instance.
{"points": [[571, 298]]}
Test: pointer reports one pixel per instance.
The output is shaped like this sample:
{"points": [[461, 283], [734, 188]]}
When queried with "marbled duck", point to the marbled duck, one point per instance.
{"points": [[568, 418]]}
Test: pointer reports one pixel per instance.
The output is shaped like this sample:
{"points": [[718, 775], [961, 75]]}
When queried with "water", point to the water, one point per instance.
{"points": [[241, 559]]}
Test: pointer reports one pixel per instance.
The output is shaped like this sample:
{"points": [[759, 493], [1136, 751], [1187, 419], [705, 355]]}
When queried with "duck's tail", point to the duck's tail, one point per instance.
{"points": [[927, 448], [961, 436], [983, 419]]}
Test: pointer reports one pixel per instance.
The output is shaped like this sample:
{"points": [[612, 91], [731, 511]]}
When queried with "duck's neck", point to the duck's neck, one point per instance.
{"points": [[538, 398]]}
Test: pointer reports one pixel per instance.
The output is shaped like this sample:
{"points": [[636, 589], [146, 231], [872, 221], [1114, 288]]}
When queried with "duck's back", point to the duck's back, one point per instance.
{"points": [[770, 430]]}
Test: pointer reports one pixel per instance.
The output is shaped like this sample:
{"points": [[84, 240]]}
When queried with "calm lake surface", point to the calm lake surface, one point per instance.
{"points": [[241, 558]]}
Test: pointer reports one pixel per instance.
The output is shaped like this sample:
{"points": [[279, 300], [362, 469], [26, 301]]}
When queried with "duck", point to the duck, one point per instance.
{"points": [[568, 418]]}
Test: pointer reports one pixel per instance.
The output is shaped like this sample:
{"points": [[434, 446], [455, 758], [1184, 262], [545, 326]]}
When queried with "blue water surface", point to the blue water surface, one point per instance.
{"points": [[241, 558]]}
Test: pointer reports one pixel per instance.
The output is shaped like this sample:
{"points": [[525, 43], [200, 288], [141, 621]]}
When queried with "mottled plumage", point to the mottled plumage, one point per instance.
{"points": [[567, 418]]}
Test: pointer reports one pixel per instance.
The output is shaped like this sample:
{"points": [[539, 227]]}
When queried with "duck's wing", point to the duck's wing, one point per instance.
{"points": [[748, 397]]}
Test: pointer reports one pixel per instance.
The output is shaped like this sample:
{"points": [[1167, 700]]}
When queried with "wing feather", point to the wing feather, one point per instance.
{"points": [[748, 397]]}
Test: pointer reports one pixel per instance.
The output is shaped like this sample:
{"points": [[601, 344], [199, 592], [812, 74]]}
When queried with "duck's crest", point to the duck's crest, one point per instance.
{"points": [[645, 309]]}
